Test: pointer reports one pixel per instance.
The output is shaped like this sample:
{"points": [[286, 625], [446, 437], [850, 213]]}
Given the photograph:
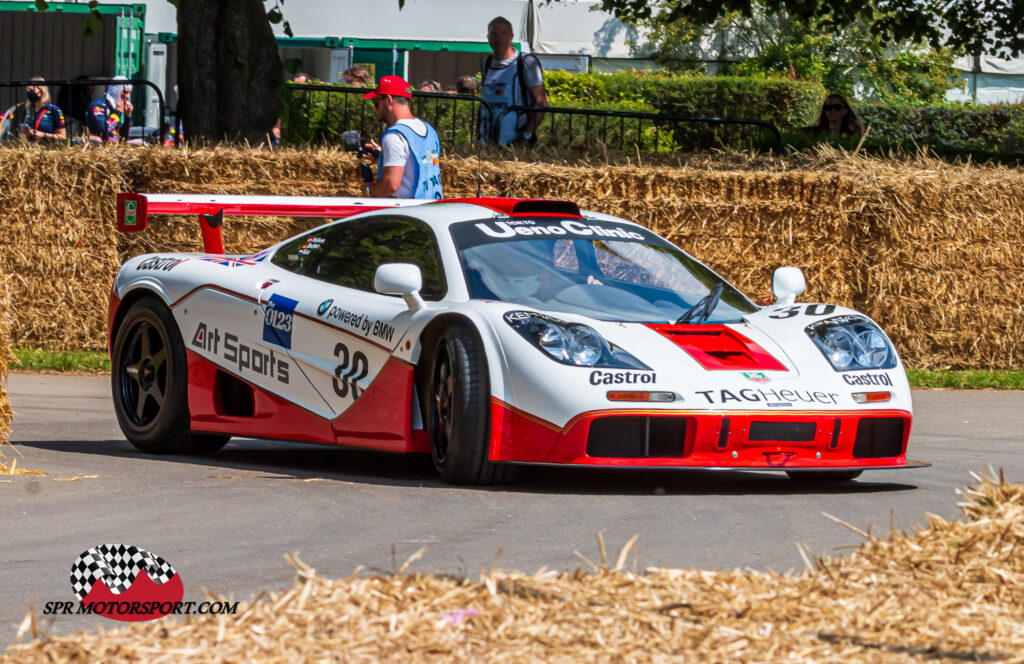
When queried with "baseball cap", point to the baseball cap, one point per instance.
{"points": [[395, 86]]}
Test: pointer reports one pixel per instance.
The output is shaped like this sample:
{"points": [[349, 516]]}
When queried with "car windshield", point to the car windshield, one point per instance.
{"points": [[600, 269]]}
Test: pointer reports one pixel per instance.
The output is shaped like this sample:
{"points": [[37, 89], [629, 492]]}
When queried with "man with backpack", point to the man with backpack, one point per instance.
{"points": [[510, 78]]}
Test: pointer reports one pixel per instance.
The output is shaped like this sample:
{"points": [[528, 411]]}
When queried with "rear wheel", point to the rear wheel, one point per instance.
{"points": [[149, 380], [823, 476], [458, 410]]}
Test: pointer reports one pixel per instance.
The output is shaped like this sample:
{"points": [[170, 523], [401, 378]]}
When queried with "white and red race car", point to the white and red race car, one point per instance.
{"points": [[490, 332]]}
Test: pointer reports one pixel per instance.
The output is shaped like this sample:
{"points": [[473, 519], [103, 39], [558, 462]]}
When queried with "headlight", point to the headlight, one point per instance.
{"points": [[570, 343], [852, 343]]}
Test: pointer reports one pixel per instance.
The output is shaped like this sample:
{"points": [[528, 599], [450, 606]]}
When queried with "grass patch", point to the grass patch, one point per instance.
{"points": [[968, 379], [94, 361], [63, 361]]}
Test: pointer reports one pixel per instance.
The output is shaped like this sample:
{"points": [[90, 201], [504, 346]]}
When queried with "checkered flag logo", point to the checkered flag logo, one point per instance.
{"points": [[117, 565]]}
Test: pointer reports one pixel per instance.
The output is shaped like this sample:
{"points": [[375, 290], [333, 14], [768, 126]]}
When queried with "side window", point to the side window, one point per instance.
{"points": [[302, 252], [565, 255], [354, 250]]}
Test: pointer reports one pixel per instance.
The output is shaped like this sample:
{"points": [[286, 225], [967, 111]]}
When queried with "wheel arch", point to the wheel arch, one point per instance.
{"points": [[129, 298], [485, 335]]}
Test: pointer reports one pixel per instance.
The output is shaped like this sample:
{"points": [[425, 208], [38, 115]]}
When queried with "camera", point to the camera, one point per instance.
{"points": [[353, 141]]}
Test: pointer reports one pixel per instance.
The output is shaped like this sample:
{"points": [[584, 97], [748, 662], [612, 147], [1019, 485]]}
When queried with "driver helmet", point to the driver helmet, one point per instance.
{"points": [[510, 270]]}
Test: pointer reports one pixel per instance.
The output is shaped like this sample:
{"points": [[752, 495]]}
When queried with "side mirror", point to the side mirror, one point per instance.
{"points": [[403, 279], [787, 283]]}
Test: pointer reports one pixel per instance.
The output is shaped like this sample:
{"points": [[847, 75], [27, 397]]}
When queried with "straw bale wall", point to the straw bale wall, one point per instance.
{"points": [[950, 592], [930, 250], [6, 414]]}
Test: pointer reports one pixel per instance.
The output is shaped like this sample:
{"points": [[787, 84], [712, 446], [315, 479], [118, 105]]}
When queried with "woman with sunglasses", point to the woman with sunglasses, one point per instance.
{"points": [[37, 118], [837, 119]]}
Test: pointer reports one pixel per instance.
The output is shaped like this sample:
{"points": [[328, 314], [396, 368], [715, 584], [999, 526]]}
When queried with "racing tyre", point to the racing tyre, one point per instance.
{"points": [[823, 476], [149, 376], [458, 410]]}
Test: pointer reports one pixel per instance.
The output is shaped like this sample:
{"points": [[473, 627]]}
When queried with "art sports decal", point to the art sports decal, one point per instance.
{"points": [[243, 358], [868, 379], [160, 263], [807, 310], [124, 582], [774, 398], [598, 377], [278, 319]]}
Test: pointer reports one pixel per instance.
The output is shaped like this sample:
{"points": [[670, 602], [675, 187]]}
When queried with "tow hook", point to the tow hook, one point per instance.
{"points": [[771, 457]]}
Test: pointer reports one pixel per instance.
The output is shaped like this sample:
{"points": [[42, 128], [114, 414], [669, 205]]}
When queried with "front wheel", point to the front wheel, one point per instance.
{"points": [[823, 476], [458, 410], [149, 379]]}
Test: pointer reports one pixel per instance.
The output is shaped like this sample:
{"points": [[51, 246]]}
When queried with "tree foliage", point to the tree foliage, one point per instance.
{"points": [[995, 27], [850, 60]]}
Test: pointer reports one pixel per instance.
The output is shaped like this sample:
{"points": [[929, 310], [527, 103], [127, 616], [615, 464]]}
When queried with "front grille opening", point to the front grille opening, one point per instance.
{"points": [[234, 396], [878, 437], [782, 432], [637, 437]]}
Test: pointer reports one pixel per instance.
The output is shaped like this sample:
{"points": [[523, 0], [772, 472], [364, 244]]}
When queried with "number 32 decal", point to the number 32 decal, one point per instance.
{"points": [[345, 382], [809, 310]]}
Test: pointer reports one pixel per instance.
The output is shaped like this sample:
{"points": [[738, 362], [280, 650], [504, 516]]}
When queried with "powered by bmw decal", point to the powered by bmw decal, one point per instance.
{"points": [[278, 319]]}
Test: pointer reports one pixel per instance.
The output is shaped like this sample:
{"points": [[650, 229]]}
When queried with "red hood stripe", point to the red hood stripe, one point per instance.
{"points": [[719, 348]]}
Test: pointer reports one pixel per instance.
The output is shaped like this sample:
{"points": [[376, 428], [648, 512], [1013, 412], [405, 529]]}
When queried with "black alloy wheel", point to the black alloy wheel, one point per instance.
{"points": [[150, 384], [457, 408]]}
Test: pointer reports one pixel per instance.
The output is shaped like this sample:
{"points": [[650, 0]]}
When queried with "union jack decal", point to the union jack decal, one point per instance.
{"points": [[228, 262]]}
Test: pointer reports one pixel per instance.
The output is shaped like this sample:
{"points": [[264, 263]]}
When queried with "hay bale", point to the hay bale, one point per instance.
{"points": [[6, 414], [949, 592], [930, 250]]}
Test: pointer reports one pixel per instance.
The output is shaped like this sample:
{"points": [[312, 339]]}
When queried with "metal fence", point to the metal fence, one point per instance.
{"points": [[53, 84], [318, 114], [648, 132]]}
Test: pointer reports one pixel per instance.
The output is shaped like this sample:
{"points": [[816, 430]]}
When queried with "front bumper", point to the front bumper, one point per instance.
{"points": [[763, 440]]}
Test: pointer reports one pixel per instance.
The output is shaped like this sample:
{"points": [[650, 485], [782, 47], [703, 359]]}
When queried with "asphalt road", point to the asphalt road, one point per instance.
{"points": [[225, 522]]}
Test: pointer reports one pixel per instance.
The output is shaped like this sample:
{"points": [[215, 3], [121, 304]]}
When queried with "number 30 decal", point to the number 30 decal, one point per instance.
{"points": [[345, 382], [810, 310]]}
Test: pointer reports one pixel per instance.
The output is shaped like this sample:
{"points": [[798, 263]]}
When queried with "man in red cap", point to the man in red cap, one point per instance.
{"points": [[410, 151]]}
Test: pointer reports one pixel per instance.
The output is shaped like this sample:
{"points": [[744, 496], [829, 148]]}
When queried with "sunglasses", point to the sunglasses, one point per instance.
{"points": [[833, 107]]}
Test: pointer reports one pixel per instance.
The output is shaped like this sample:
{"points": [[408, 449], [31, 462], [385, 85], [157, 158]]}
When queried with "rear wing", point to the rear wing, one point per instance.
{"points": [[133, 210]]}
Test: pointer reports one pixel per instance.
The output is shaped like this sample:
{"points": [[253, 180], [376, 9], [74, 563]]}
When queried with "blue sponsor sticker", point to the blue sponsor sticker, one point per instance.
{"points": [[324, 306], [278, 319]]}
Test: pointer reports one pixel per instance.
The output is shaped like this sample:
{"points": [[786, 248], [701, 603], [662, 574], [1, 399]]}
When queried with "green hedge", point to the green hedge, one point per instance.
{"points": [[785, 103], [967, 129]]}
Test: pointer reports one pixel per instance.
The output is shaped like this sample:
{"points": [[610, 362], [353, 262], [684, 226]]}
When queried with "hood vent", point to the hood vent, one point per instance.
{"points": [[719, 348]]}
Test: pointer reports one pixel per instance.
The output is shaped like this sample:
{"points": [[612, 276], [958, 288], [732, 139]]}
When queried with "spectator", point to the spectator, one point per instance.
{"points": [[409, 162], [74, 99], [109, 118], [510, 78], [275, 133], [357, 77], [450, 90], [836, 118], [466, 85], [37, 118], [430, 86]]}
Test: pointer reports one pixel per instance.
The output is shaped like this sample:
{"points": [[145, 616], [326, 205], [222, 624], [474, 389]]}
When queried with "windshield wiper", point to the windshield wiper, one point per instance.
{"points": [[699, 312]]}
